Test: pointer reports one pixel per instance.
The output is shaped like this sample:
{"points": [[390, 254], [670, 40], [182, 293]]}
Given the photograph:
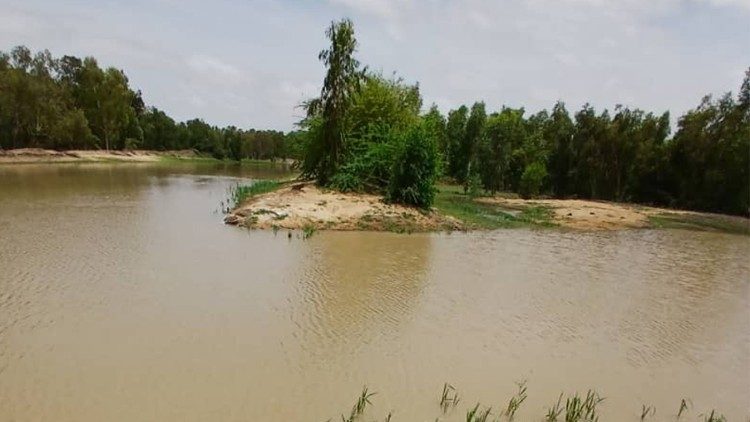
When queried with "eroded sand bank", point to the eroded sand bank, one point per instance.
{"points": [[38, 155]]}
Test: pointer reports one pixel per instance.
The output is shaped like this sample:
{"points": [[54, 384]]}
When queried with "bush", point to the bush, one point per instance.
{"points": [[414, 170], [532, 179]]}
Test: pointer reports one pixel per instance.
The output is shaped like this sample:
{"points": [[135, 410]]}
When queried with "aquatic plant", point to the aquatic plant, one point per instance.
{"points": [[582, 410], [359, 407], [449, 398], [474, 415], [683, 407], [713, 417], [555, 411], [515, 401], [308, 230], [239, 193]]}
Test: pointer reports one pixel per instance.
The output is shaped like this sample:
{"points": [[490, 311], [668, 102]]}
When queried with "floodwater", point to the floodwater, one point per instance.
{"points": [[123, 297]]}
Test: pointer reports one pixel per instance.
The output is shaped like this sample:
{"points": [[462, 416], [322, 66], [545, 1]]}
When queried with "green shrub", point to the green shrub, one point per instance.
{"points": [[532, 179], [414, 170]]}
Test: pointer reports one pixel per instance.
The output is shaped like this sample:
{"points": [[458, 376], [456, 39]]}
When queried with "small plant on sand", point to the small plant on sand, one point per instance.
{"points": [[449, 398], [515, 401]]}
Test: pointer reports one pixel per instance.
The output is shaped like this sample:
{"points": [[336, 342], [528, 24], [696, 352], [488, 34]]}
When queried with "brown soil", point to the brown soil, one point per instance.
{"points": [[303, 205], [38, 155]]}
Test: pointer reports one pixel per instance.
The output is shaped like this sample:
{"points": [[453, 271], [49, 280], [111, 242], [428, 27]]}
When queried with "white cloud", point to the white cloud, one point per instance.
{"points": [[211, 66], [252, 63]]}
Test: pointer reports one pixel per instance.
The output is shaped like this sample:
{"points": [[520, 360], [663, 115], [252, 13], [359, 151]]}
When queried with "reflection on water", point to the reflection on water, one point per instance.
{"points": [[123, 297]]}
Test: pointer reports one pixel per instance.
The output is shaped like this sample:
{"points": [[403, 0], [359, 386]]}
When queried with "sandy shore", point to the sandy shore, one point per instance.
{"points": [[588, 215], [38, 155], [303, 205]]}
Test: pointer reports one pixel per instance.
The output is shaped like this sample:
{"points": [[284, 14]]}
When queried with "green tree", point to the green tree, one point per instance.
{"points": [[472, 136], [456, 132], [342, 79]]}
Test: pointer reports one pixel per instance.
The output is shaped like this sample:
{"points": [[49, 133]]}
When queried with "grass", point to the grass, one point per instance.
{"points": [[683, 407], [308, 230], [702, 222], [450, 200], [577, 408], [359, 406], [239, 193], [449, 398], [515, 402]]}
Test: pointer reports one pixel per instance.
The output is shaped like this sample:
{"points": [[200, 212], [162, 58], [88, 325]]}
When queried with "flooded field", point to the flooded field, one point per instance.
{"points": [[123, 297]]}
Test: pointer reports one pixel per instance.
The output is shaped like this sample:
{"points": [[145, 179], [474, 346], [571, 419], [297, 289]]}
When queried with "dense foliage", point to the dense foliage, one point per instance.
{"points": [[69, 103], [365, 132], [625, 156]]}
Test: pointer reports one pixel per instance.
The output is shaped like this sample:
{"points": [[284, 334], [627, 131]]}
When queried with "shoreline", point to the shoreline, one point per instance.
{"points": [[39, 156], [305, 206]]}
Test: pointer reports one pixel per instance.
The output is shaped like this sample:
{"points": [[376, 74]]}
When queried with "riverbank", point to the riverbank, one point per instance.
{"points": [[305, 206], [38, 155]]}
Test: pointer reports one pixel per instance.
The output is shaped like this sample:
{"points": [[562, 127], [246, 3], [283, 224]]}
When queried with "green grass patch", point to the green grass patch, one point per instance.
{"points": [[239, 193], [702, 222], [450, 200]]}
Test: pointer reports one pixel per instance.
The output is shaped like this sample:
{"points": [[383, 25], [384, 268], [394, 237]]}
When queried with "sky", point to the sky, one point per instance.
{"points": [[251, 63]]}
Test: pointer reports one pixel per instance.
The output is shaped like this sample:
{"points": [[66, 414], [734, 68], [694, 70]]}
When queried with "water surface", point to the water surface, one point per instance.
{"points": [[123, 297]]}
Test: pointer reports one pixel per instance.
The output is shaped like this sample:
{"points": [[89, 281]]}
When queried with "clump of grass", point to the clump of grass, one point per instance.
{"points": [[515, 401], [475, 415], [449, 398], [359, 407], [555, 411], [647, 410], [683, 407], [308, 230], [579, 409], [239, 193]]}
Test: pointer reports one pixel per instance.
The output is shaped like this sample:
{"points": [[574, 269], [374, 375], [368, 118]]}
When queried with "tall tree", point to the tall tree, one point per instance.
{"points": [[329, 110]]}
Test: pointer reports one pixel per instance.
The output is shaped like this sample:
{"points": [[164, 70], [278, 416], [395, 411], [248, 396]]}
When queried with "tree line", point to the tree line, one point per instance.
{"points": [[624, 155], [366, 133], [72, 103]]}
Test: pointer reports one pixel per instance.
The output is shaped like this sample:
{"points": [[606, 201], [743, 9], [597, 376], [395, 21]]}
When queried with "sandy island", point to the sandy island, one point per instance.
{"points": [[305, 205]]}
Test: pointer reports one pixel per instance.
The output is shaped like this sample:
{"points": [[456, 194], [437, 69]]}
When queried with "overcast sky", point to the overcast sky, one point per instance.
{"points": [[250, 63]]}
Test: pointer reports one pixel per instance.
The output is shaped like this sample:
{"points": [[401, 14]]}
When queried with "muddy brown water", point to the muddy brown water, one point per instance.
{"points": [[124, 298]]}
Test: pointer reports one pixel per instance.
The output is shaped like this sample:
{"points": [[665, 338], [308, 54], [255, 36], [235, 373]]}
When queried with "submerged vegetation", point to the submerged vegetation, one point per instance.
{"points": [[576, 408]]}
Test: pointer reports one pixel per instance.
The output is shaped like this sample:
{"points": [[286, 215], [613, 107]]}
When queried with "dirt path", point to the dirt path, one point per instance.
{"points": [[38, 155], [299, 206]]}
